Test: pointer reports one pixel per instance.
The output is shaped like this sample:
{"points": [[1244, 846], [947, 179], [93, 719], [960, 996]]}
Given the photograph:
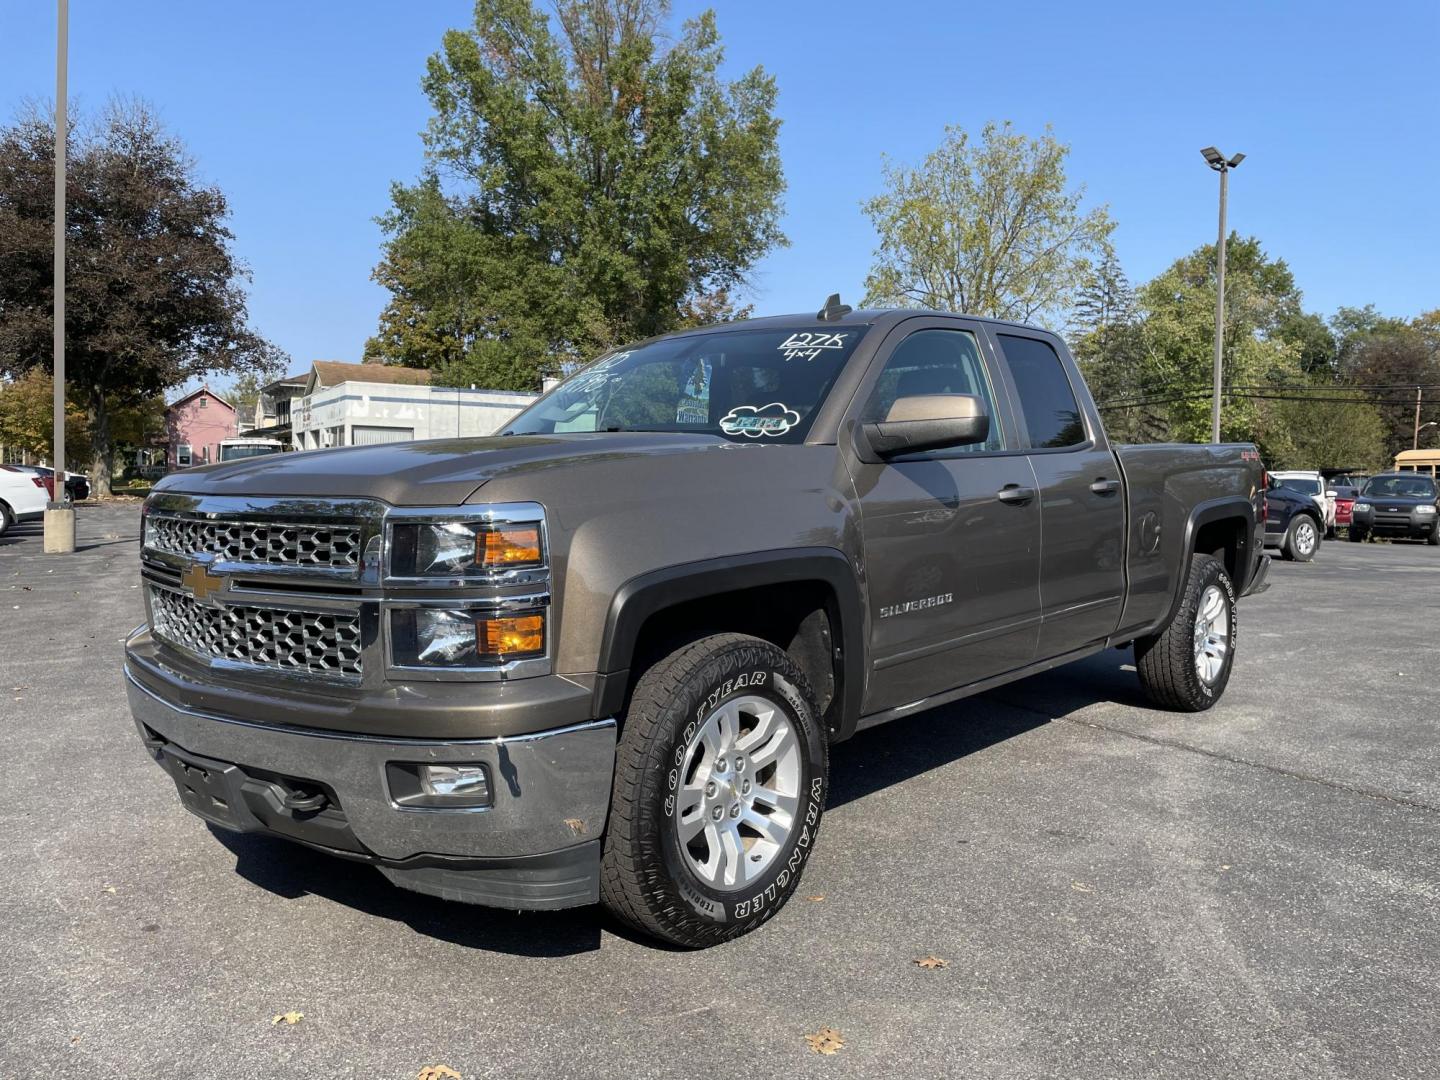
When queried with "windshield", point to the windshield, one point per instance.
{"points": [[1400, 487], [1305, 487], [762, 385]]}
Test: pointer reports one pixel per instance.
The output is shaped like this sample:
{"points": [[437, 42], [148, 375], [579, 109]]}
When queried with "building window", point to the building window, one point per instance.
{"points": [[183, 458], [204, 401]]}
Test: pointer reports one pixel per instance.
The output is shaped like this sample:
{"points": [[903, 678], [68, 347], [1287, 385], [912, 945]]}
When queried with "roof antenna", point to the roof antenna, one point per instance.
{"points": [[834, 310]]}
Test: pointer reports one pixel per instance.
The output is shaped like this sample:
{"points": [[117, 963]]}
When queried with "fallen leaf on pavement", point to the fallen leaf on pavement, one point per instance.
{"points": [[1080, 886], [291, 1018], [437, 1072], [930, 962], [825, 1041], [816, 899]]}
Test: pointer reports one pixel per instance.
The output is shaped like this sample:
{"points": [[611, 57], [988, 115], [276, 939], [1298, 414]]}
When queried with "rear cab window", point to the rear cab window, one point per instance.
{"points": [[1047, 400]]}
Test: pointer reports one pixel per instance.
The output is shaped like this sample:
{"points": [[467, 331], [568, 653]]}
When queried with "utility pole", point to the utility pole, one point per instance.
{"points": [[59, 514], [1220, 164], [1416, 444]]}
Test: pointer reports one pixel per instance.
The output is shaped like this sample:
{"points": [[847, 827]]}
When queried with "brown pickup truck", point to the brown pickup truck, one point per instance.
{"points": [[602, 655]]}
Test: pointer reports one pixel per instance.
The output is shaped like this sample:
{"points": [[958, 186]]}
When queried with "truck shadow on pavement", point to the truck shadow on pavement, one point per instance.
{"points": [[872, 761], [881, 757], [291, 871]]}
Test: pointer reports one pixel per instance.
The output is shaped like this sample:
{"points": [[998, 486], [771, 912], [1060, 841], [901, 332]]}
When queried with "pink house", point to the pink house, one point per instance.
{"points": [[195, 426]]}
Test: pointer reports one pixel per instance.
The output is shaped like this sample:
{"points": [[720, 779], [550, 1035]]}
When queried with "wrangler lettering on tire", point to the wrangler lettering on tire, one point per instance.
{"points": [[720, 784]]}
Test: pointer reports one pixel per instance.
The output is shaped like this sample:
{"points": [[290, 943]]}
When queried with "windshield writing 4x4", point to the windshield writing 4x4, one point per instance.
{"points": [[1400, 487], [744, 385]]}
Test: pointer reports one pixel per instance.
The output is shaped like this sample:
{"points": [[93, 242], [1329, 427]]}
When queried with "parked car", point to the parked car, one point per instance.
{"points": [[1400, 505], [1345, 496], [23, 496], [1293, 521], [604, 654], [1311, 483], [77, 485]]}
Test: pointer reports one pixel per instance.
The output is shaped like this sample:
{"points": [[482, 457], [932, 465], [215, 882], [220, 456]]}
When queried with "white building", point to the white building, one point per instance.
{"points": [[363, 404]]}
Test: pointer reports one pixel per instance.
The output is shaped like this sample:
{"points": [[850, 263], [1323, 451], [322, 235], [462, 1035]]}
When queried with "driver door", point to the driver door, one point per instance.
{"points": [[951, 538]]}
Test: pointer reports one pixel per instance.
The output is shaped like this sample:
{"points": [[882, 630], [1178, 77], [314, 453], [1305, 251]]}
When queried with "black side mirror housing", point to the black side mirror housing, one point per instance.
{"points": [[928, 422]]}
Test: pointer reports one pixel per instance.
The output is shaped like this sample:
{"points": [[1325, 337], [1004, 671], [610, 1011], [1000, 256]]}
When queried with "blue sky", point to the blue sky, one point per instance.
{"points": [[305, 112]]}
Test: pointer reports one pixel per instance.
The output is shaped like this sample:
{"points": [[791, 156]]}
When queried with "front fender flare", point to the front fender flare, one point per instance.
{"points": [[648, 594]]}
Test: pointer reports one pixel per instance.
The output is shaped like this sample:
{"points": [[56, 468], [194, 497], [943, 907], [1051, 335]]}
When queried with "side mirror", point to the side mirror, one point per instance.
{"points": [[928, 422], [1329, 493]]}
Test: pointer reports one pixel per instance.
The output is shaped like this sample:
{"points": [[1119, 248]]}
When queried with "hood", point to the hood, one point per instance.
{"points": [[435, 472]]}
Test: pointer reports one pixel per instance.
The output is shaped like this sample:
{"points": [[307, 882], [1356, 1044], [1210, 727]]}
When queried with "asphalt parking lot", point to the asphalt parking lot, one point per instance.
{"points": [[1118, 892]]}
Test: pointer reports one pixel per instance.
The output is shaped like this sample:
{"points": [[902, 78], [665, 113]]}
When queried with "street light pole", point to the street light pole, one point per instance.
{"points": [[59, 514], [1222, 165]]}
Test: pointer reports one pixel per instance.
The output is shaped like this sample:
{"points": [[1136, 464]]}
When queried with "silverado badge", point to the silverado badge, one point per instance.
{"points": [[201, 583]]}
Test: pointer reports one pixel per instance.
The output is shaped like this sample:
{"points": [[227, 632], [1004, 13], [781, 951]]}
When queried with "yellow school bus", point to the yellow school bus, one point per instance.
{"points": [[1421, 461]]}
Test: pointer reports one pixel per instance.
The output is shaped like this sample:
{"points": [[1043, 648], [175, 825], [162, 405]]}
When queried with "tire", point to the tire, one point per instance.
{"points": [[6, 519], [1169, 662], [1434, 538], [1302, 539], [652, 879], [1357, 536]]}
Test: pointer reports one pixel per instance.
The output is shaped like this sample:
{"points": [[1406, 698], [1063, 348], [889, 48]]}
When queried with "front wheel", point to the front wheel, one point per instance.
{"points": [[1187, 665], [1302, 539], [6, 519], [1434, 538], [1357, 535], [720, 781]]}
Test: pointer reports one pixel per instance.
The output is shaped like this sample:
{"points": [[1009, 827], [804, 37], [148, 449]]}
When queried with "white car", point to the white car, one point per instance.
{"points": [[23, 496], [1308, 482]]}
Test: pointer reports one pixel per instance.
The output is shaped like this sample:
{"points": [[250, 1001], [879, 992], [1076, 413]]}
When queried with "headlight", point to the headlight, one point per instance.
{"points": [[1361, 508], [460, 638], [1426, 509], [497, 541]]}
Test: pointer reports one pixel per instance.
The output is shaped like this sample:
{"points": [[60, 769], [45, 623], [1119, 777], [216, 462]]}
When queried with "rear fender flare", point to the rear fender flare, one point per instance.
{"points": [[1203, 514]]}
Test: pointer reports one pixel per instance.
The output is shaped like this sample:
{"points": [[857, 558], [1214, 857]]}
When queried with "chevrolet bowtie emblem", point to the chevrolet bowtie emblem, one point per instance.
{"points": [[201, 583]]}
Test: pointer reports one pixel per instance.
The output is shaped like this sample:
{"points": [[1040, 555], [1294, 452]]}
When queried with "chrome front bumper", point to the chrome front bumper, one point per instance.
{"points": [[551, 789]]}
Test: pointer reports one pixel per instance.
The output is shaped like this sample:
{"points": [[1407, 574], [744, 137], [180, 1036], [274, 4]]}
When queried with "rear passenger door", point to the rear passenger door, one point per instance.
{"points": [[1082, 498]]}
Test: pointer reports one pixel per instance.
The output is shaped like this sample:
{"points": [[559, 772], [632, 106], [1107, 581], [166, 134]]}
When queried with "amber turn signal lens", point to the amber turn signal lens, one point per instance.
{"points": [[501, 547], [512, 637]]}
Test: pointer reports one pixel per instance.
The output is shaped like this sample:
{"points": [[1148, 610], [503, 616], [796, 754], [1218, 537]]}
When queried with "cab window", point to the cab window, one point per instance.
{"points": [[1047, 400], [936, 362]]}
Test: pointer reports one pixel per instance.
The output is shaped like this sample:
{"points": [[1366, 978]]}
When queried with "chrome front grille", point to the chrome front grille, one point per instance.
{"points": [[335, 546], [301, 642]]}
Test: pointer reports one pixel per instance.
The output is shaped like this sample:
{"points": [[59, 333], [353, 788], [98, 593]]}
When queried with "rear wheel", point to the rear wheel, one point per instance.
{"points": [[6, 519], [720, 782], [1187, 666], [1302, 539]]}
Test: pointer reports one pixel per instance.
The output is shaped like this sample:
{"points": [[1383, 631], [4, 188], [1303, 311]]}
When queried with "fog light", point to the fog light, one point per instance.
{"points": [[426, 786], [454, 781]]}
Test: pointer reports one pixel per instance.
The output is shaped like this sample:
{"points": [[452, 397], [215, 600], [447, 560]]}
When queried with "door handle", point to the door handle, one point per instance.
{"points": [[1015, 495], [1105, 487]]}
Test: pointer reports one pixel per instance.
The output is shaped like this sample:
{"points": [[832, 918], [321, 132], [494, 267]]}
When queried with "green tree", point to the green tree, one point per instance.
{"points": [[1380, 351], [586, 185], [153, 292], [1176, 339], [987, 228], [1311, 434]]}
